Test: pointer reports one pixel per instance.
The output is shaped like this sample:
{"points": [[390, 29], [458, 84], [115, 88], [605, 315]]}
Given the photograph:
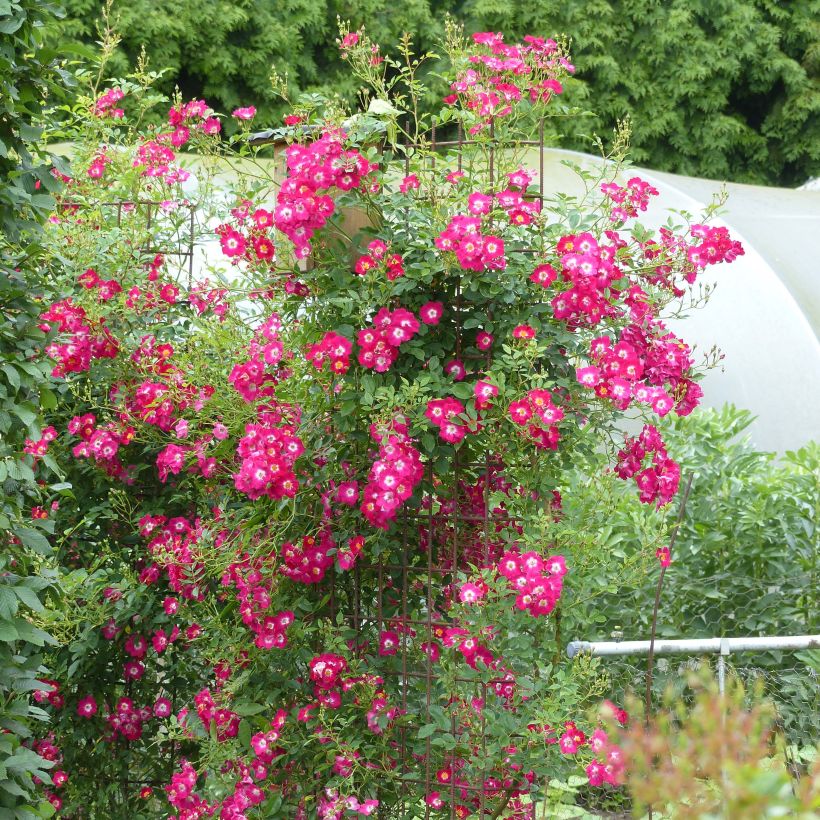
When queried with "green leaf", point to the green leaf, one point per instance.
{"points": [[247, 709], [12, 375], [48, 399], [26, 412], [29, 598], [12, 787], [462, 391], [30, 133], [12, 25], [244, 733], [8, 632], [33, 539], [25, 760], [32, 634], [8, 603]]}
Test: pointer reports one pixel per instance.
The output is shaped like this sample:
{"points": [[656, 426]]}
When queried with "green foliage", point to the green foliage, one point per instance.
{"points": [[745, 562], [726, 89], [750, 528], [716, 88], [747, 547], [30, 79], [680, 763], [747, 557], [98, 526], [30, 82], [25, 572], [224, 50]]}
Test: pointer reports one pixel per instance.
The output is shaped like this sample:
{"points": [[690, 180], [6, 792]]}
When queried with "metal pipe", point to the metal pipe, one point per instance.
{"points": [[724, 653], [694, 646]]}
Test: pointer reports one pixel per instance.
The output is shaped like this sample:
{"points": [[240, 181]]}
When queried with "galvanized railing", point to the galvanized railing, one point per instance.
{"points": [[722, 647]]}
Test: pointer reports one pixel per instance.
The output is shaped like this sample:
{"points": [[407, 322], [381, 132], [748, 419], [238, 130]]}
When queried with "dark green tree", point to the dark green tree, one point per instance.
{"points": [[30, 79], [728, 89]]}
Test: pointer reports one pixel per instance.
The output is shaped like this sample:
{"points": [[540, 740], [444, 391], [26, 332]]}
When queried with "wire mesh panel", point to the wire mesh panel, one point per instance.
{"points": [[152, 228]]}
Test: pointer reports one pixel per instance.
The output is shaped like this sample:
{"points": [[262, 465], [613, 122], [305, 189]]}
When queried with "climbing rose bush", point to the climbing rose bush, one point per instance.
{"points": [[321, 534]]}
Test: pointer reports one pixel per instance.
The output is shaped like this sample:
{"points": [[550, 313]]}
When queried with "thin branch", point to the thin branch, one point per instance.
{"points": [[650, 660], [503, 806], [651, 656]]}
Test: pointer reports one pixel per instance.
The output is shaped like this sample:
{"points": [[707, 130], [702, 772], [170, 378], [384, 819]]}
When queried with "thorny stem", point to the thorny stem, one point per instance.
{"points": [[557, 657], [411, 82], [503, 806]]}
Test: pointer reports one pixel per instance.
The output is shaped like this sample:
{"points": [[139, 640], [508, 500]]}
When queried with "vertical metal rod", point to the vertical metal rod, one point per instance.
{"points": [[455, 512], [724, 652], [429, 637], [541, 161], [460, 148], [651, 656], [491, 168]]}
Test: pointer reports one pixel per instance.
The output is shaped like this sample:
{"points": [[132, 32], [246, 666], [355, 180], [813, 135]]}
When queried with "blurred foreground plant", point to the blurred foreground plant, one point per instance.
{"points": [[717, 756]]}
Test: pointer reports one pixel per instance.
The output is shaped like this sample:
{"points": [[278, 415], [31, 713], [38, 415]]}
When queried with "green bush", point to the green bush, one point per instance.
{"points": [[745, 563], [30, 82], [728, 89], [30, 78], [750, 529]]}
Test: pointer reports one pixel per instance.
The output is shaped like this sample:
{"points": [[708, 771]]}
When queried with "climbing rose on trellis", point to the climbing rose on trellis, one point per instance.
{"points": [[342, 541]]}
